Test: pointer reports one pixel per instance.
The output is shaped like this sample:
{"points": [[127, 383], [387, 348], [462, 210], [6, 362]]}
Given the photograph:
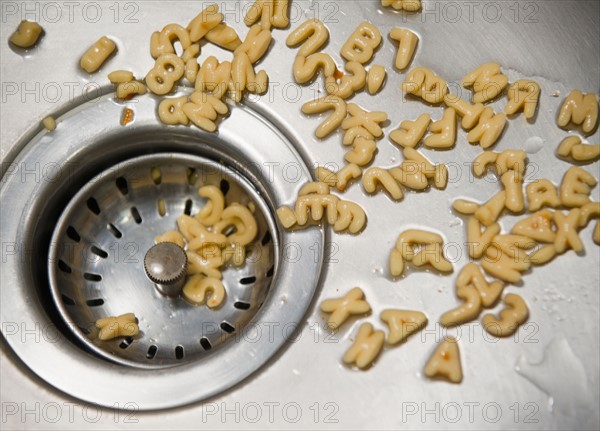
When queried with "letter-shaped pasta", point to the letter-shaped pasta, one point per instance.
{"points": [[27, 34], [224, 36], [204, 109], [286, 216], [369, 120], [214, 77], [503, 266], [510, 318], [511, 160], [170, 111], [167, 70], [487, 82], [572, 147], [445, 361], [171, 236], [208, 266], [312, 34], [543, 255], [466, 312], [402, 324], [410, 132], [410, 175], [407, 41], [127, 90], [362, 152], [405, 248], [326, 176], [270, 12], [204, 22], [362, 43], [424, 83], [349, 83], [349, 172], [162, 43], [352, 303], [375, 78], [471, 275], [489, 212], [576, 186], [464, 206], [255, 45], [350, 216], [513, 186], [97, 54], [316, 204], [191, 52], [243, 77], [581, 109], [488, 129], [407, 5], [353, 133], [588, 212], [120, 76], [197, 287], [431, 254], [514, 246], [324, 104], [443, 131], [470, 113], [242, 218], [314, 188], [49, 123], [478, 242], [438, 173], [373, 176], [367, 346], [482, 161], [567, 235], [124, 325], [306, 68], [542, 193], [212, 212], [523, 95], [537, 226]]}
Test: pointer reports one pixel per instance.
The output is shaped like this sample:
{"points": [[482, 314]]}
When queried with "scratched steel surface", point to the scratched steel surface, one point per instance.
{"points": [[557, 383]]}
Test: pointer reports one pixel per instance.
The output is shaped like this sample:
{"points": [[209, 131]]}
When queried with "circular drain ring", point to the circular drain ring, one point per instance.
{"points": [[96, 264], [89, 139]]}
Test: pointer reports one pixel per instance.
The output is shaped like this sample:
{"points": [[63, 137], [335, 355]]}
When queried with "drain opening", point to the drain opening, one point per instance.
{"points": [[224, 186], [67, 300], [126, 342], [188, 207], [151, 353], [93, 206], [156, 175], [99, 252], [136, 215], [271, 271], [95, 302], [72, 233], [92, 277], [227, 328], [116, 232], [64, 267], [248, 280], [161, 207], [121, 184], [205, 343], [240, 305], [192, 176], [266, 238], [179, 352]]}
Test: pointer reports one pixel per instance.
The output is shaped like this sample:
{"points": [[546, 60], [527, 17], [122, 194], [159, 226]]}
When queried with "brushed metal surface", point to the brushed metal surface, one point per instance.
{"points": [[553, 42]]}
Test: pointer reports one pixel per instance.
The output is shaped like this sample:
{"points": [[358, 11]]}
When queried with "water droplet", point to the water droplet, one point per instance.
{"points": [[533, 145]]}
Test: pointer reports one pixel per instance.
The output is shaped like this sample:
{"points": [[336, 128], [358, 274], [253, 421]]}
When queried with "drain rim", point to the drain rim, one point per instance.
{"points": [[94, 379]]}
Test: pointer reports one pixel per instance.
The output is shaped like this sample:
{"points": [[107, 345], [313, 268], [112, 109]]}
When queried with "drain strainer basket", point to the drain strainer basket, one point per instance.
{"points": [[83, 230], [97, 260]]}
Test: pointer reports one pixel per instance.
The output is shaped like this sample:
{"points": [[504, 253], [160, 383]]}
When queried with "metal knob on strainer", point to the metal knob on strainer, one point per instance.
{"points": [[165, 265]]}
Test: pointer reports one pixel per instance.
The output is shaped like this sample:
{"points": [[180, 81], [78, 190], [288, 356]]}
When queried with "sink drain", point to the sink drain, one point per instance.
{"points": [[97, 268], [78, 235]]}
